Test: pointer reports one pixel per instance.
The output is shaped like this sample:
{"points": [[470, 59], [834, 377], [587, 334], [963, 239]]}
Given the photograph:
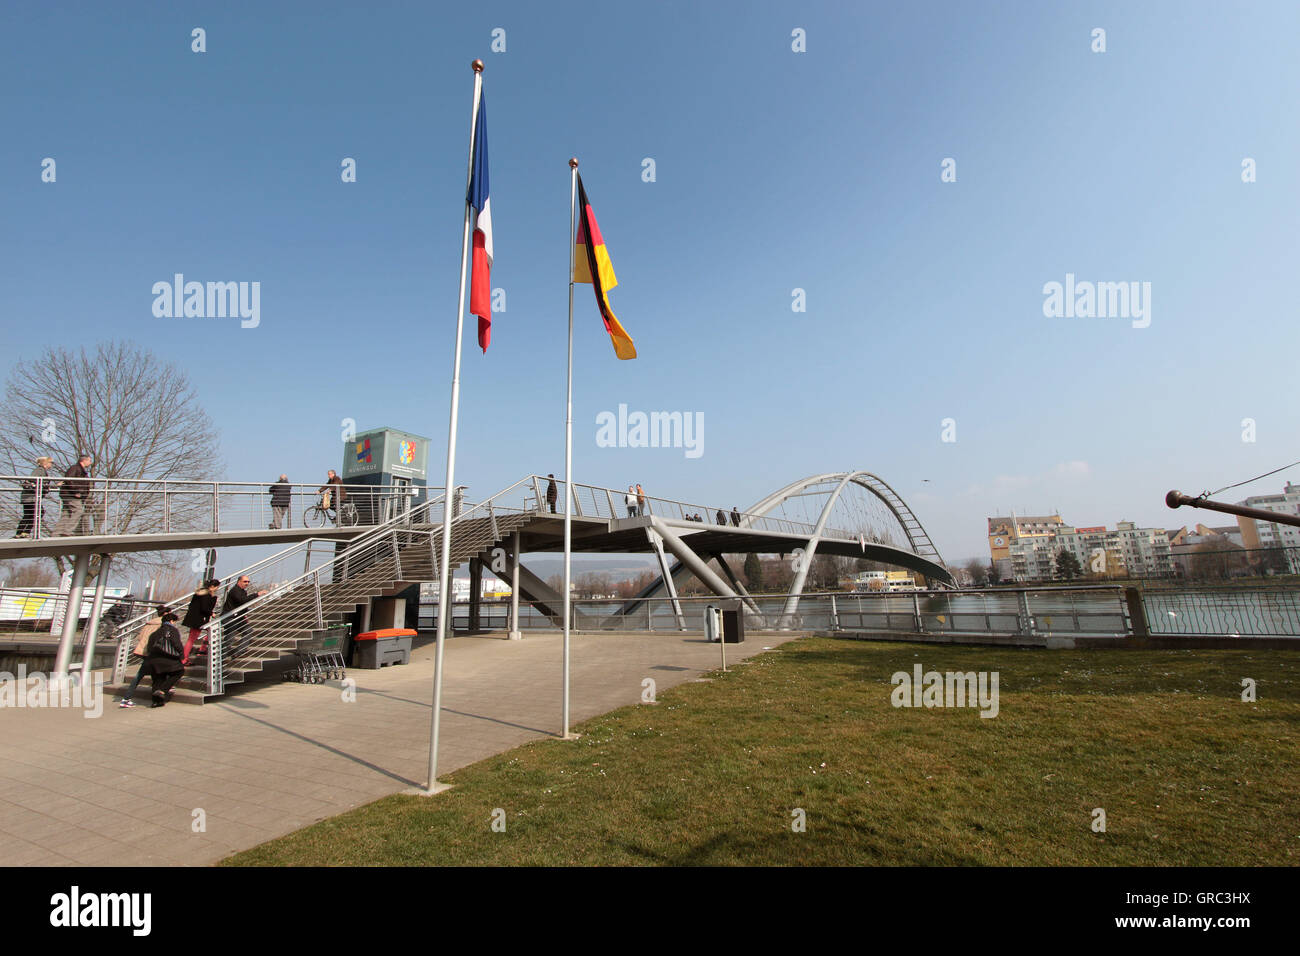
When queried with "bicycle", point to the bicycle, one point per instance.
{"points": [[318, 515]]}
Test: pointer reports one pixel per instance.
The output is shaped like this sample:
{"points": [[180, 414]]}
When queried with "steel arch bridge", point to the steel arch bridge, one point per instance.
{"points": [[879, 526]]}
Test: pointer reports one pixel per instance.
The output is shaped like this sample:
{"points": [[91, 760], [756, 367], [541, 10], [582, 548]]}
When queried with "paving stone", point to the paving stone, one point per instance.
{"points": [[267, 759]]}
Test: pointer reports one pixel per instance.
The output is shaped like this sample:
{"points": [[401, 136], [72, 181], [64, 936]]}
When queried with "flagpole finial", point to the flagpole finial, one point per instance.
{"points": [[573, 162], [478, 66]]}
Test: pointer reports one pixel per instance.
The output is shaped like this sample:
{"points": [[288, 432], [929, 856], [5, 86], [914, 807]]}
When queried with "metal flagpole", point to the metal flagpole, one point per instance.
{"points": [[568, 447], [448, 503]]}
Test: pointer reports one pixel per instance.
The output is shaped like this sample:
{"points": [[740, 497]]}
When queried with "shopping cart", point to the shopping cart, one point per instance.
{"points": [[321, 657]]}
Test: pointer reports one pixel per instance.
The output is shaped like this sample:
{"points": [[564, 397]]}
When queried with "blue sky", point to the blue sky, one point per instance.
{"points": [[775, 171]]}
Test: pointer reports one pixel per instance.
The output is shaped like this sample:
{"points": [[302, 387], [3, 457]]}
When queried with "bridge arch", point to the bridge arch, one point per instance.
{"points": [[919, 554], [918, 540]]}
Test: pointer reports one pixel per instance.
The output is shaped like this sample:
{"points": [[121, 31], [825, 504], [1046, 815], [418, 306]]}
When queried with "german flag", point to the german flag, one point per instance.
{"points": [[591, 259]]}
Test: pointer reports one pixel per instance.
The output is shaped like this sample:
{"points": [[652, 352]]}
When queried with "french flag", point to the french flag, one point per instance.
{"points": [[480, 286]]}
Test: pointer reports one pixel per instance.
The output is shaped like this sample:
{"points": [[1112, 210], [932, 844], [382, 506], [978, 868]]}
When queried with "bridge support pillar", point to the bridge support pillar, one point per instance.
{"points": [[667, 577], [475, 593], [96, 609], [71, 611], [513, 632], [739, 588], [683, 553], [796, 589]]}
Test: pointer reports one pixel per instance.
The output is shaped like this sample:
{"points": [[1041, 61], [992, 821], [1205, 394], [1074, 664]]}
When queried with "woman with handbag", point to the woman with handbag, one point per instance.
{"points": [[140, 650], [163, 659]]}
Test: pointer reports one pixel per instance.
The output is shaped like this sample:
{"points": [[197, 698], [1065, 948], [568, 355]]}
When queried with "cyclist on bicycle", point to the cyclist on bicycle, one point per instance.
{"points": [[332, 495]]}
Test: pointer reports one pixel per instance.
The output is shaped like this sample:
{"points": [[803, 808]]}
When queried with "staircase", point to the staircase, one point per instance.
{"points": [[378, 565]]}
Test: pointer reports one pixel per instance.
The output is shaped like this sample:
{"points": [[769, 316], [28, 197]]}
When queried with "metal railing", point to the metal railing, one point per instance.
{"points": [[359, 566], [276, 574], [1095, 611], [136, 506], [594, 501], [35, 507], [1082, 612], [36, 614], [305, 600], [1220, 612]]}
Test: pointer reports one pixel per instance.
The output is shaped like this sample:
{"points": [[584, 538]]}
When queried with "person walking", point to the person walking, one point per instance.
{"points": [[552, 493], [721, 517], [140, 650], [735, 516], [163, 659], [630, 500], [73, 491], [333, 491], [31, 496], [236, 626], [198, 614], [281, 496], [640, 500]]}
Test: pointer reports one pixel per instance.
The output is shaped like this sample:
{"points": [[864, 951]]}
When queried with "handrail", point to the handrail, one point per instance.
{"points": [[755, 521], [52, 481], [131, 626], [351, 551], [360, 542], [141, 619], [126, 506]]}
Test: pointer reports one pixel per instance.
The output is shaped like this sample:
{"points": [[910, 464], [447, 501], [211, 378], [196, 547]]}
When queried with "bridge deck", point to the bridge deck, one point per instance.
{"points": [[544, 533]]}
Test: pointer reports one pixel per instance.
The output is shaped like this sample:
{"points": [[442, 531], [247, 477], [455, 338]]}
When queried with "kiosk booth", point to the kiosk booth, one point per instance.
{"points": [[394, 463]]}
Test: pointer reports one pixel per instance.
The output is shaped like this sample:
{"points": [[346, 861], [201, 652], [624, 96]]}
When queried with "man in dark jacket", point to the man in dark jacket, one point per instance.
{"points": [[735, 516], [236, 626], [281, 496], [74, 490], [552, 493]]}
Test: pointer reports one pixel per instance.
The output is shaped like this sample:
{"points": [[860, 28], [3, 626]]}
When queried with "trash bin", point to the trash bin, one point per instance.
{"points": [[713, 623], [733, 622], [376, 649]]}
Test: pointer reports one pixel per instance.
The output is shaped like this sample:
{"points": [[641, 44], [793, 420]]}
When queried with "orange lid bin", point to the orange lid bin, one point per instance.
{"points": [[386, 632]]}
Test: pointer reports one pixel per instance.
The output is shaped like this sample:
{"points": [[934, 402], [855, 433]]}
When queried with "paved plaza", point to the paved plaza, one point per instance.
{"points": [[123, 789]]}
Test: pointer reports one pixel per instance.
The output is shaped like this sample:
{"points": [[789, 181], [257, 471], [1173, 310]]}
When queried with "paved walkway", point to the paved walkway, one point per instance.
{"points": [[123, 789]]}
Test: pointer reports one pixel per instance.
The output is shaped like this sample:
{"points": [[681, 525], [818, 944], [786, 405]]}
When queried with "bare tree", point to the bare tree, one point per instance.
{"points": [[27, 574], [978, 571], [631, 587], [136, 414], [592, 583], [1213, 559]]}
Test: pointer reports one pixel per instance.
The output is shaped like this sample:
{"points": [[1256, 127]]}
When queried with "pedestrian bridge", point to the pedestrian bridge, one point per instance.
{"points": [[326, 575], [854, 514]]}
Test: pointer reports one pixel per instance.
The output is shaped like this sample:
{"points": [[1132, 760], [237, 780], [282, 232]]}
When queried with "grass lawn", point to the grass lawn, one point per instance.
{"points": [[1186, 772]]}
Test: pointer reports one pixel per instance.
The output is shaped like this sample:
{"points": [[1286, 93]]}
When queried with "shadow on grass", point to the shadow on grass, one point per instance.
{"points": [[834, 843]]}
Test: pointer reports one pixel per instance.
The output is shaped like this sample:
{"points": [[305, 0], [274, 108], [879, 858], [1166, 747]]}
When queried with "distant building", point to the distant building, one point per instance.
{"points": [[1025, 549], [1257, 534], [1183, 544], [1012, 530], [1145, 550]]}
